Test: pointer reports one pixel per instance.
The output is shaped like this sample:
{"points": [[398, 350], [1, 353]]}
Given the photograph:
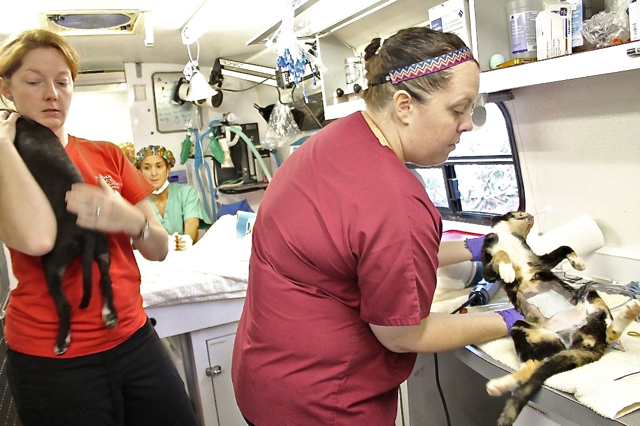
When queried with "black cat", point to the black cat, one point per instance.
{"points": [[53, 170], [550, 340]]}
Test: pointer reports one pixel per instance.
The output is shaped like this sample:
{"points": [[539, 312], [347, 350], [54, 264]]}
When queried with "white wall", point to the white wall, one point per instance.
{"points": [[579, 148], [100, 116]]}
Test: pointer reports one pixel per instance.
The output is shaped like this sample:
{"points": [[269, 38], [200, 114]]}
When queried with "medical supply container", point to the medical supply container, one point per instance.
{"points": [[522, 20], [634, 20], [452, 16]]}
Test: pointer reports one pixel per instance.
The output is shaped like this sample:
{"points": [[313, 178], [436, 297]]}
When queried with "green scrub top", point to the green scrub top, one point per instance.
{"points": [[183, 203]]}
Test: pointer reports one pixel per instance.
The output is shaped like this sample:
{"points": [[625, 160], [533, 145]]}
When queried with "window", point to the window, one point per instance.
{"points": [[482, 176]]}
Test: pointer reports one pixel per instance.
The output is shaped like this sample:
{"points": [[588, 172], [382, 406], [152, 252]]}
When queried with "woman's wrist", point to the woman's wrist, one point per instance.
{"points": [[141, 229], [144, 232]]}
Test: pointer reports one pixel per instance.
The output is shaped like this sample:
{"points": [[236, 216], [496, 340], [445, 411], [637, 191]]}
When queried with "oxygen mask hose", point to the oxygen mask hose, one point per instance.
{"points": [[253, 149]]}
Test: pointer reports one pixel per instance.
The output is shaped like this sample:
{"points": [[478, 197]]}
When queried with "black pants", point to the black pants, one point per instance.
{"points": [[133, 384]]}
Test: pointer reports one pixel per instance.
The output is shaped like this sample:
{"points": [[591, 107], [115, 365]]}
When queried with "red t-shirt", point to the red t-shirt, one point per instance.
{"points": [[345, 237], [31, 320]]}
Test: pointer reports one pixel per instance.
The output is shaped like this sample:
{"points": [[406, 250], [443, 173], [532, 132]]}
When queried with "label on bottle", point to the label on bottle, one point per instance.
{"points": [[523, 33]]}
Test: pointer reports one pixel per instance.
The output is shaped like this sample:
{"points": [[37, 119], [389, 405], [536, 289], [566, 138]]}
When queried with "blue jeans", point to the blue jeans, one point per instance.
{"points": [[133, 384]]}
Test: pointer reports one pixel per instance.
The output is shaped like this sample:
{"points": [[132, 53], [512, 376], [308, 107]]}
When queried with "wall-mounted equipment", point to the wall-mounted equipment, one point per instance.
{"points": [[254, 73], [246, 71]]}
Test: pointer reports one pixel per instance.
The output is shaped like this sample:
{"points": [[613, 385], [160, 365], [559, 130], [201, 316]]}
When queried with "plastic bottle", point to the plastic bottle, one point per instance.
{"points": [[522, 20]]}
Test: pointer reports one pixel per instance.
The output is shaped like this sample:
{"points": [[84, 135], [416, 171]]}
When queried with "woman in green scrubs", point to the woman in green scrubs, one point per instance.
{"points": [[177, 206]]}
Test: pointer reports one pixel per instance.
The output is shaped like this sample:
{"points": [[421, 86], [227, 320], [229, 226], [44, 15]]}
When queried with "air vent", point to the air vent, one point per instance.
{"points": [[92, 22]]}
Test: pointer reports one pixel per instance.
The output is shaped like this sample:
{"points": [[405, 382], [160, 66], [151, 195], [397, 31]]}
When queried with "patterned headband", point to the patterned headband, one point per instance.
{"points": [[154, 150], [429, 66]]}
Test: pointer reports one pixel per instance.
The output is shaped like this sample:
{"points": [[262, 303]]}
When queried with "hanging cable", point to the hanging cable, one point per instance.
{"points": [[444, 403], [435, 363]]}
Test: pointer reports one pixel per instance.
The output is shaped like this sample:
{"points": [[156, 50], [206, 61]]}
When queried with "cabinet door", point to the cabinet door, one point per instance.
{"points": [[220, 350]]}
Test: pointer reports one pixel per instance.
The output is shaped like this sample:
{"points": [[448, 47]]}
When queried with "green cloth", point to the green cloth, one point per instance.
{"points": [[183, 203]]}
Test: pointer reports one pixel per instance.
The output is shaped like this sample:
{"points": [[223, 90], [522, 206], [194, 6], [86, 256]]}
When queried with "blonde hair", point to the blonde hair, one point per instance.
{"points": [[407, 47], [14, 50]]}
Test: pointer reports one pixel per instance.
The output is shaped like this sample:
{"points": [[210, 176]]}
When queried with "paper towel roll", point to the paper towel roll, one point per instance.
{"points": [[582, 234]]}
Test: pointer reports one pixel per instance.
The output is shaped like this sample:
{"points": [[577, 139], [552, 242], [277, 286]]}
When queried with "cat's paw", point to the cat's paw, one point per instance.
{"points": [[501, 385], [577, 263], [507, 273], [109, 317], [62, 345]]}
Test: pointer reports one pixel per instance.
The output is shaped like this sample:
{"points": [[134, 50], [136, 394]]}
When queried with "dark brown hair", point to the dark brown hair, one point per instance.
{"points": [[404, 48]]}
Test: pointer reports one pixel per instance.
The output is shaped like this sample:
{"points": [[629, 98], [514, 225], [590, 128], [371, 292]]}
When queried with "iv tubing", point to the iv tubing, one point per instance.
{"points": [[253, 149]]}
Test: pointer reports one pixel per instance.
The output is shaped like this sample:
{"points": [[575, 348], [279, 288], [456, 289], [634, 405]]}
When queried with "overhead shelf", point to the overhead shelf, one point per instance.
{"points": [[344, 28], [606, 60], [355, 22]]}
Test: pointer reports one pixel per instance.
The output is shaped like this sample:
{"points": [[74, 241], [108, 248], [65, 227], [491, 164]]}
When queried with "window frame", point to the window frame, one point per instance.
{"points": [[454, 212]]}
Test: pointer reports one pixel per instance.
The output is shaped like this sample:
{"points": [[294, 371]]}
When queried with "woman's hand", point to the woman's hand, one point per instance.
{"points": [[100, 208], [179, 242], [103, 209], [8, 127]]}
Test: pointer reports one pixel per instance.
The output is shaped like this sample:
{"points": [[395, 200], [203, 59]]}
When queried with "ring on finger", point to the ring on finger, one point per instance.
{"points": [[97, 212]]}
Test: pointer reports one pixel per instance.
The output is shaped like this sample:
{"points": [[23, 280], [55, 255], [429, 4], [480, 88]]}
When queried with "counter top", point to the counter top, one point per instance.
{"points": [[185, 318]]}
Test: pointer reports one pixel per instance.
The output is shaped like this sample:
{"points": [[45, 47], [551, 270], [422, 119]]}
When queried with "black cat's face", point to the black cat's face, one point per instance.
{"points": [[519, 223]]}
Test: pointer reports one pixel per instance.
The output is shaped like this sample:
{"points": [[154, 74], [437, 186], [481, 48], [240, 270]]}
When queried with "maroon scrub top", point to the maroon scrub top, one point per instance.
{"points": [[345, 236]]}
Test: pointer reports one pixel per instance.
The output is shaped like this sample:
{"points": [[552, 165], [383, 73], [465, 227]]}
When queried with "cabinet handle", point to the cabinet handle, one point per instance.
{"points": [[213, 371], [634, 52]]}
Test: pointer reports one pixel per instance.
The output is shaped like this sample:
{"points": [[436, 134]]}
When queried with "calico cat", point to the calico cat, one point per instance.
{"points": [[555, 337], [53, 170]]}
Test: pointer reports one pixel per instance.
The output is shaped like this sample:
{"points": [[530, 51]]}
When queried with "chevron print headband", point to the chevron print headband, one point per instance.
{"points": [[429, 66]]}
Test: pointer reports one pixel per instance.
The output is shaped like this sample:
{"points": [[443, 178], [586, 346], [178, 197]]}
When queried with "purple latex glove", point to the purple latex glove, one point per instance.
{"points": [[474, 245], [510, 316]]}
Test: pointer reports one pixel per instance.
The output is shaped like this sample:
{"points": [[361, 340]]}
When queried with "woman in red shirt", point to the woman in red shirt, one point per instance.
{"points": [[119, 376], [346, 245]]}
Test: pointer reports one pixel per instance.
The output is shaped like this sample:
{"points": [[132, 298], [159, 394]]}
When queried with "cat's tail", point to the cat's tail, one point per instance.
{"points": [[528, 380]]}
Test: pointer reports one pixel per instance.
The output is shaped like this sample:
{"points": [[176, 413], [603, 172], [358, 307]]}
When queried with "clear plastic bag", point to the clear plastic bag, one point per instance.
{"points": [[609, 27], [282, 128]]}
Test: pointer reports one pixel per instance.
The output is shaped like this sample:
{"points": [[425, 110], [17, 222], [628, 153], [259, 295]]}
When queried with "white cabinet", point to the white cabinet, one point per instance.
{"points": [[203, 334], [212, 362]]}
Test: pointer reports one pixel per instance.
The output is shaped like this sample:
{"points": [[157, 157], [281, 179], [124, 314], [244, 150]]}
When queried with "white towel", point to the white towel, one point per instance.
{"points": [[602, 385], [216, 267]]}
